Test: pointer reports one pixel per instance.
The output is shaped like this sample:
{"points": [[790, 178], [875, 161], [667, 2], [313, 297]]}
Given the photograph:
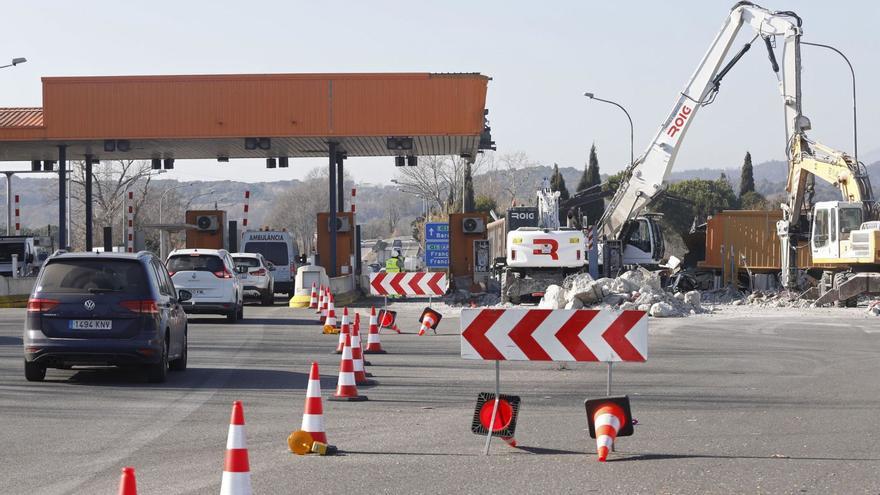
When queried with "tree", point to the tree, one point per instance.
{"points": [[747, 177], [695, 199], [753, 201], [557, 183], [468, 200], [593, 211], [440, 179], [485, 204]]}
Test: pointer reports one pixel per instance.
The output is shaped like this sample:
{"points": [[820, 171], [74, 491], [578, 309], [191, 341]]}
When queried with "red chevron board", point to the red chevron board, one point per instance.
{"points": [[408, 284], [554, 335]]}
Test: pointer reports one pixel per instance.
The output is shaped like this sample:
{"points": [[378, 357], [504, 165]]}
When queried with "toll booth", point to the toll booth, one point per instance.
{"points": [[467, 240], [345, 241], [209, 231]]}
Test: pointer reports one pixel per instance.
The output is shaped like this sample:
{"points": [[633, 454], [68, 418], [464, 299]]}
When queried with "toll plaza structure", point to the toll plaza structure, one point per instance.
{"points": [[271, 116]]}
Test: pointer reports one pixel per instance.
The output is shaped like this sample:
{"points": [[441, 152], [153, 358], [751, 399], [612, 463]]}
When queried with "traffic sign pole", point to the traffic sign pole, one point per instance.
{"points": [[494, 406]]}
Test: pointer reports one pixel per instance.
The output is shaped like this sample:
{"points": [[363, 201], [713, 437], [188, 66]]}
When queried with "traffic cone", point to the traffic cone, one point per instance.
{"points": [[343, 331], [128, 483], [360, 373], [330, 322], [346, 388], [609, 418], [429, 319], [313, 297], [357, 326], [320, 300], [326, 304], [374, 345], [236, 470], [313, 415]]}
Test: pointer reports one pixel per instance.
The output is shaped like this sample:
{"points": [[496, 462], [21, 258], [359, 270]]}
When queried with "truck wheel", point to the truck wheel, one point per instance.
{"points": [[33, 372]]}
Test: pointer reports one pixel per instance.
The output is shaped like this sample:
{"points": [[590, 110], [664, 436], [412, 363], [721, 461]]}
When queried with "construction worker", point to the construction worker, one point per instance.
{"points": [[394, 264]]}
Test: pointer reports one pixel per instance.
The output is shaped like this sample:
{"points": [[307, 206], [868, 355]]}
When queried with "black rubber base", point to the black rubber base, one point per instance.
{"points": [[357, 398], [367, 383], [367, 363], [383, 351]]}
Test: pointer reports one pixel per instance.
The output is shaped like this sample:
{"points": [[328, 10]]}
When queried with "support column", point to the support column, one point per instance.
{"points": [[62, 196], [89, 214], [340, 182], [330, 264], [9, 204]]}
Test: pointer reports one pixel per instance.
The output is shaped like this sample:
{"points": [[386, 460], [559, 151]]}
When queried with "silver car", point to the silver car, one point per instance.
{"points": [[255, 274]]}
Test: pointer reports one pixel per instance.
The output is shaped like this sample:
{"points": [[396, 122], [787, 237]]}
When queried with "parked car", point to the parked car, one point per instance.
{"points": [[107, 309], [209, 274], [279, 249], [255, 274]]}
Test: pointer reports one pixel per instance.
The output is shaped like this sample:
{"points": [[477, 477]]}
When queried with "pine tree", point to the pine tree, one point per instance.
{"points": [[747, 177], [589, 179], [468, 203], [557, 183]]}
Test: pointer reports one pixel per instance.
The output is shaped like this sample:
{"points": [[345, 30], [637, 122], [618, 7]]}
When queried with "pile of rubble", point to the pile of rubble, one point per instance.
{"points": [[636, 289], [874, 308], [772, 300]]}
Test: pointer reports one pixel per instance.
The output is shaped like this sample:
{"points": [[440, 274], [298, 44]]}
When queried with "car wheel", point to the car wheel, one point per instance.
{"points": [[241, 312], [232, 315], [33, 372], [268, 297], [179, 364], [156, 373]]}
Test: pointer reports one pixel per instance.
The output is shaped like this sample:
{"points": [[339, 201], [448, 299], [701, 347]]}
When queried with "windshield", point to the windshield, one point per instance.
{"points": [[7, 249], [276, 252], [93, 275], [850, 219], [195, 263]]}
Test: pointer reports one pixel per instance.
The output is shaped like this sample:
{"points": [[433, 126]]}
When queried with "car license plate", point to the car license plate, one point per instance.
{"points": [[196, 292], [242, 276], [91, 324]]}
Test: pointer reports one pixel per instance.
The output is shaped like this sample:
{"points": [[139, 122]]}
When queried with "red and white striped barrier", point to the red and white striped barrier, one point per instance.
{"points": [[353, 194], [554, 335], [130, 222], [17, 217], [428, 284], [589, 237], [247, 200]]}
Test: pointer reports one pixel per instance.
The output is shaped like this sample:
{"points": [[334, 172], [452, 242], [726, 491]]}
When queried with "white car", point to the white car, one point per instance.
{"points": [[255, 274], [209, 274]]}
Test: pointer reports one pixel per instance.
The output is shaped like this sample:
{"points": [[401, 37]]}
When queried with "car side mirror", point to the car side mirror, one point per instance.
{"points": [[184, 295]]}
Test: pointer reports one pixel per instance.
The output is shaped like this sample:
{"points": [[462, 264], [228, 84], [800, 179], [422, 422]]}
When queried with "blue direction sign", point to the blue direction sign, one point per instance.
{"points": [[437, 245], [437, 231]]}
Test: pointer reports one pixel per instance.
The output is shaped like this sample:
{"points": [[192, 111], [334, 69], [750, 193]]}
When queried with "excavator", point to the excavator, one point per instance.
{"points": [[844, 235]]}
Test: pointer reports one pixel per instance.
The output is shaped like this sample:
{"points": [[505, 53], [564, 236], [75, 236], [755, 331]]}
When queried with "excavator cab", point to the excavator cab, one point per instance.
{"points": [[643, 241], [838, 235]]}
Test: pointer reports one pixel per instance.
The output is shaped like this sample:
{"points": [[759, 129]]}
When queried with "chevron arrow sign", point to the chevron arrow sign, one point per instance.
{"points": [[554, 335], [425, 284]]}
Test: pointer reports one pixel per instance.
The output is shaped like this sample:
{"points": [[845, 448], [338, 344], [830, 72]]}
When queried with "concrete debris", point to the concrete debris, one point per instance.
{"points": [[874, 308], [638, 289]]}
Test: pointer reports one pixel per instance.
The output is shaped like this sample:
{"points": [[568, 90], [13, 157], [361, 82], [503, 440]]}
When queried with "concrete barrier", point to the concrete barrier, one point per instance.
{"points": [[14, 292], [344, 290]]}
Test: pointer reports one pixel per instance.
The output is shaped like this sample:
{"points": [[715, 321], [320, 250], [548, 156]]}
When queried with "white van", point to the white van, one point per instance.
{"points": [[279, 249]]}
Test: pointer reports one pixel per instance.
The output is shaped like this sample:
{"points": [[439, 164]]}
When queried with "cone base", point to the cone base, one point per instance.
{"points": [[366, 383], [354, 398], [336, 352], [367, 363], [380, 351]]}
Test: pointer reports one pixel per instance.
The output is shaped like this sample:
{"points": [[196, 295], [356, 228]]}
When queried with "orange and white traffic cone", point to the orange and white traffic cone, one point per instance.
{"points": [[325, 304], [360, 372], [607, 420], [430, 319], [357, 326], [127, 482], [236, 469], [346, 388], [320, 300], [313, 297], [330, 322], [374, 345], [344, 330], [313, 415]]}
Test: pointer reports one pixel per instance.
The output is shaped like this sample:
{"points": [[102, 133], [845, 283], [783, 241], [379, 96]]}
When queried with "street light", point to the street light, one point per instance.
{"points": [[631, 155], [853, 74], [15, 61]]}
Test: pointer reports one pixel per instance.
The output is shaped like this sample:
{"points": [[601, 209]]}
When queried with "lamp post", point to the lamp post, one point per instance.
{"points": [[15, 61], [618, 105], [853, 74]]}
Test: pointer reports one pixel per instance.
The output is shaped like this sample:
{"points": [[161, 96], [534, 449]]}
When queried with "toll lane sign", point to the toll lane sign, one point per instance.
{"points": [[437, 245]]}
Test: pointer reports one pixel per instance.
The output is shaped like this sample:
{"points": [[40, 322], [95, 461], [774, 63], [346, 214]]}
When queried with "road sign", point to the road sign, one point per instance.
{"points": [[437, 231], [554, 335], [427, 284], [437, 245]]}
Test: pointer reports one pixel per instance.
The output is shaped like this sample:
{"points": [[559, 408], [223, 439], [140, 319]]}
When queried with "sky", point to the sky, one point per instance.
{"points": [[542, 57]]}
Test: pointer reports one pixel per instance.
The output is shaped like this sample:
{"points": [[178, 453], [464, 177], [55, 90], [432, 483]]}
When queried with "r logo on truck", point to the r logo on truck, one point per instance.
{"points": [[548, 247]]}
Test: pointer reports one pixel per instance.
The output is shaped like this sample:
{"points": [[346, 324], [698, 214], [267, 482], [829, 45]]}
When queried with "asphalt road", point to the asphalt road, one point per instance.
{"points": [[776, 401]]}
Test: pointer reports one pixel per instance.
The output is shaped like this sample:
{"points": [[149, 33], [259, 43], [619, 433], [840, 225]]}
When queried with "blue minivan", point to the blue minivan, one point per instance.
{"points": [[105, 309]]}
